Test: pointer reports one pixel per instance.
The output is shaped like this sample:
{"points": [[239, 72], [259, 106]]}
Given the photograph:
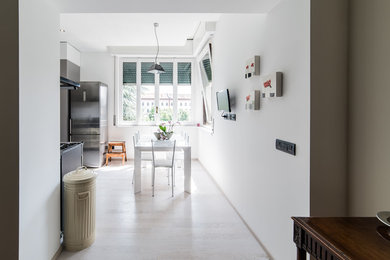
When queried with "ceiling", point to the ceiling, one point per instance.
{"points": [[94, 32], [171, 6]]}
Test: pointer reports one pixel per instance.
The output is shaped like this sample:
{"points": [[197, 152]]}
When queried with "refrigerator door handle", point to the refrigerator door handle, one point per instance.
{"points": [[70, 125]]}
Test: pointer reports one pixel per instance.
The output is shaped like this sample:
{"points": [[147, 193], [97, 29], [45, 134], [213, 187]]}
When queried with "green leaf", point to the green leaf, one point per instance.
{"points": [[163, 128]]}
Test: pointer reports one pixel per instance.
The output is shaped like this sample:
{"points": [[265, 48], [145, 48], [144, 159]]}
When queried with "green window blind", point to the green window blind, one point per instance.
{"points": [[146, 77], [129, 72], [167, 77], [207, 68], [184, 72]]}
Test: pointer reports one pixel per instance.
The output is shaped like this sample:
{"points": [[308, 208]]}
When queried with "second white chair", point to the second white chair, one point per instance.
{"points": [[168, 147], [145, 156]]}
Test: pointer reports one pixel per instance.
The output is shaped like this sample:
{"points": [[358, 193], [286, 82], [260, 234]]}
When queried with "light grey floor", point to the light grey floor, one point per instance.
{"points": [[202, 225]]}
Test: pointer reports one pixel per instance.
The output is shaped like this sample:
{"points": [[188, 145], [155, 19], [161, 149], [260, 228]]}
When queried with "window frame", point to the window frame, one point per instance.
{"points": [[206, 110], [119, 91]]}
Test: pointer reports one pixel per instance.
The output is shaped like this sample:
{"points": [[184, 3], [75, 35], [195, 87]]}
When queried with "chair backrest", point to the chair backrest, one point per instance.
{"points": [[164, 146], [134, 141], [137, 136]]}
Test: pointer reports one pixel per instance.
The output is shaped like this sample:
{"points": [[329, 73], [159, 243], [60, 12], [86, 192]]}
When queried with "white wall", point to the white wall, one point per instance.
{"points": [[100, 67], [369, 107], [39, 134], [266, 186]]}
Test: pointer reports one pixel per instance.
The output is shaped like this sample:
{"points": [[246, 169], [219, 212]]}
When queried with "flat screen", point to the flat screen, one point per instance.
{"points": [[223, 100]]}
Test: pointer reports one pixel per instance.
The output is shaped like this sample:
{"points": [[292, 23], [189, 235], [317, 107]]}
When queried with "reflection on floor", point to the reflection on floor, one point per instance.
{"points": [[202, 225]]}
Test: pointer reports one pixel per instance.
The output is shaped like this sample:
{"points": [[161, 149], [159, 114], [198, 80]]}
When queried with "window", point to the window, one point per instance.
{"points": [[167, 77], [166, 92], [184, 89], [147, 92], [146, 77], [205, 68], [129, 91], [145, 98]]}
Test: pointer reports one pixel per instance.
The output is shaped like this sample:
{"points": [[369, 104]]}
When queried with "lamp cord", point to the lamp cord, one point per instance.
{"points": [[158, 45]]}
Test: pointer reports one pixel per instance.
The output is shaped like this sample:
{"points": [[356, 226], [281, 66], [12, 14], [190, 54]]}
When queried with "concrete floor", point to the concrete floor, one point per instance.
{"points": [[202, 225]]}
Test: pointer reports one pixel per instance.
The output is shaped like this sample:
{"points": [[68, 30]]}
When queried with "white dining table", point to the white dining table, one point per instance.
{"points": [[145, 145]]}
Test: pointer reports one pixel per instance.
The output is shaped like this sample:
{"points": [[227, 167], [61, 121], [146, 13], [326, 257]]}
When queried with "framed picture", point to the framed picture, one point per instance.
{"points": [[253, 100], [252, 67], [272, 85]]}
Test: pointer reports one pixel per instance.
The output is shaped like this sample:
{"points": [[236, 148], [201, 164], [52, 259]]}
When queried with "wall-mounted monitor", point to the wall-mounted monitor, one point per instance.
{"points": [[223, 101]]}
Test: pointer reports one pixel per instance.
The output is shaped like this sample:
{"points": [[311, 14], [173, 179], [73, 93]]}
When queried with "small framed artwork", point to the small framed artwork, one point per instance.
{"points": [[272, 85], [252, 67], [253, 100]]}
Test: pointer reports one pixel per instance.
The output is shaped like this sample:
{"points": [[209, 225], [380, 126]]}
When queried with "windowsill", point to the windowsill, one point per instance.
{"points": [[207, 128]]}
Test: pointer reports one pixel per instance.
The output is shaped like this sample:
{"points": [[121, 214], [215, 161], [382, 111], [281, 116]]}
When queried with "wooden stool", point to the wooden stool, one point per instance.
{"points": [[115, 154], [121, 153]]}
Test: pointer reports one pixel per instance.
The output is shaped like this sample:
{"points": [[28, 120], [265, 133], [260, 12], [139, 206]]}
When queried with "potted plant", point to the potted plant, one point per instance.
{"points": [[165, 131]]}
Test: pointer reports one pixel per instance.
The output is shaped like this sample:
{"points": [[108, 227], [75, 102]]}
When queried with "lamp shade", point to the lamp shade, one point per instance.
{"points": [[156, 69]]}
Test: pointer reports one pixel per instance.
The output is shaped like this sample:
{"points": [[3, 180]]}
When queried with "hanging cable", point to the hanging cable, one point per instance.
{"points": [[158, 44], [156, 68]]}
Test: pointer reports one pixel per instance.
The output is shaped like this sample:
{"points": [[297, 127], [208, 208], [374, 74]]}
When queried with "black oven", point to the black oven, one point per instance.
{"points": [[71, 159]]}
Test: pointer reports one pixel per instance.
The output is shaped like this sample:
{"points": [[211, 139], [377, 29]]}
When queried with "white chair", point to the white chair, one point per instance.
{"points": [[137, 136], [145, 156], [168, 147]]}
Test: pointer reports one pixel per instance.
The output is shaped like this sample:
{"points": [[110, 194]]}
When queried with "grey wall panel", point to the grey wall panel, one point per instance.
{"points": [[328, 107], [9, 107]]}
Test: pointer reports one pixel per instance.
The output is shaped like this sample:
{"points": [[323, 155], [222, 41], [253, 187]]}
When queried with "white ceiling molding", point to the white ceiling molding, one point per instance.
{"points": [[172, 6], [150, 51], [95, 32], [191, 49], [203, 34]]}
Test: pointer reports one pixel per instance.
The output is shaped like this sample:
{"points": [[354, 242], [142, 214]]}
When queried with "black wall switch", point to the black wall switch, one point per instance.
{"points": [[285, 146], [229, 116], [232, 117]]}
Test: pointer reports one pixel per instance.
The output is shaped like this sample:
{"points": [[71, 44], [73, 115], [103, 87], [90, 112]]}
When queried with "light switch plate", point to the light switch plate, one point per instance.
{"points": [[286, 147]]}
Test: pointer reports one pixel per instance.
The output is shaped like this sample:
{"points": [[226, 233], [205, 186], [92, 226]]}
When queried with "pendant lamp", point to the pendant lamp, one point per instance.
{"points": [[156, 68]]}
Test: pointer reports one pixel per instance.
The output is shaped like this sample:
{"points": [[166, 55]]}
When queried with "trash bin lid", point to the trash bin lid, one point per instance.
{"points": [[80, 175]]}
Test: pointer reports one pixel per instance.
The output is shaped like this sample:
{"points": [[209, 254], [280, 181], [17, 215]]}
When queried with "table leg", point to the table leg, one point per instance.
{"points": [[187, 170], [301, 254], [137, 170]]}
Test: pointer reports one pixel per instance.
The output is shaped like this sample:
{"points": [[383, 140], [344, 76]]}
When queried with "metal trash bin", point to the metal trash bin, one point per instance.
{"points": [[80, 209]]}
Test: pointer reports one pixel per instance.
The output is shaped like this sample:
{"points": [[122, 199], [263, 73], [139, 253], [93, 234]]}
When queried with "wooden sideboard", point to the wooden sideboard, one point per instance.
{"points": [[341, 238]]}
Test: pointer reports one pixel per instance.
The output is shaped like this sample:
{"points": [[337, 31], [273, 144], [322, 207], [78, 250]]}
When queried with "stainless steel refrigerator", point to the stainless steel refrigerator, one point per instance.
{"points": [[88, 121]]}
